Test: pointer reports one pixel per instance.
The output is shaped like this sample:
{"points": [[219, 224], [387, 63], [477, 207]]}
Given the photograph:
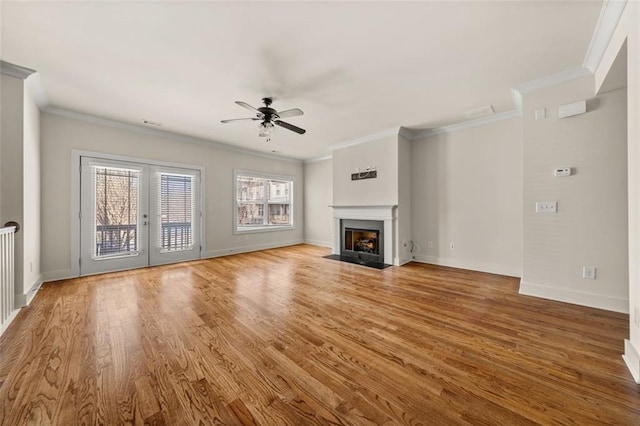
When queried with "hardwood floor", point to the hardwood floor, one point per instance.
{"points": [[286, 337]]}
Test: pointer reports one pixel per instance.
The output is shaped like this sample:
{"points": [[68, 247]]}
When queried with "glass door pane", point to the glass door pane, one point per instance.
{"points": [[113, 231], [175, 199], [116, 219]]}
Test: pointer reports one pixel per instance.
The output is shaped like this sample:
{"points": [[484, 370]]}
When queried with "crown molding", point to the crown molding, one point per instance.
{"points": [[552, 80], [32, 82], [610, 15], [517, 99], [482, 121], [405, 133], [13, 70], [35, 87], [368, 138], [92, 119], [318, 159]]}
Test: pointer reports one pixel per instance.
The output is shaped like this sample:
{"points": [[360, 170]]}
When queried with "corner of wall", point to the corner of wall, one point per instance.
{"points": [[568, 295], [25, 299], [631, 357]]}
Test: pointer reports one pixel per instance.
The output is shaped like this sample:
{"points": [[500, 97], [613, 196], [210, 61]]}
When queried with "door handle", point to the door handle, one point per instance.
{"points": [[144, 216]]}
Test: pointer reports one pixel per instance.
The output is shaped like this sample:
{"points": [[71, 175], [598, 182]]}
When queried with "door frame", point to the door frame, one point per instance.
{"points": [[76, 154]]}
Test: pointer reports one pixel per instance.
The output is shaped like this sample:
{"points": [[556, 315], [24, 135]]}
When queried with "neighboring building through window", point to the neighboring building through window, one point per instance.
{"points": [[262, 202]]}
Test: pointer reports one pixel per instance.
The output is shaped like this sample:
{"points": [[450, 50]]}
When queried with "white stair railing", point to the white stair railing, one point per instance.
{"points": [[7, 277]]}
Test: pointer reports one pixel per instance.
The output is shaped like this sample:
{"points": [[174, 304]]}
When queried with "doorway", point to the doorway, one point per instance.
{"points": [[134, 215]]}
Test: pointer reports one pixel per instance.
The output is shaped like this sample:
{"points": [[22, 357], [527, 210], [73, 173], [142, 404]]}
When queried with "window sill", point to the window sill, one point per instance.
{"points": [[258, 229]]}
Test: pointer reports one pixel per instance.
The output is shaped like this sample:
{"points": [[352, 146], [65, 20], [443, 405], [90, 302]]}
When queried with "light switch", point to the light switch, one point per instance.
{"points": [[565, 171]]}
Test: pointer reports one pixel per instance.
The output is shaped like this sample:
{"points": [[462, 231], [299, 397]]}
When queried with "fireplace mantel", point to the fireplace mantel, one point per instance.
{"points": [[385, 213]]}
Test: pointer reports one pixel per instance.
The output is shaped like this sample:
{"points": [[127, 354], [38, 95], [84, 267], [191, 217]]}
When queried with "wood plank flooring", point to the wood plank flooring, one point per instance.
{"points": [[285, 336]]}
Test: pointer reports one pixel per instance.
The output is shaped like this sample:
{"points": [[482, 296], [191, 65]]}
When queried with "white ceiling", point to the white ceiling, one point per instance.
{"points": [[355, 68]]}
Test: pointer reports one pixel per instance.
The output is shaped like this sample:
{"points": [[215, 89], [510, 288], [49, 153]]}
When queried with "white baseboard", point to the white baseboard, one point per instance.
{"points": [[472, 265], [616, 304], [318, 243], [26, 298], [246, 249], [632, 359], [9, 320], [62, 274]]}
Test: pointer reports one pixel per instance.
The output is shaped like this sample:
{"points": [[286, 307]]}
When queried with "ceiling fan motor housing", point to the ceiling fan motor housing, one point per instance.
{"points": [[269, 113]]}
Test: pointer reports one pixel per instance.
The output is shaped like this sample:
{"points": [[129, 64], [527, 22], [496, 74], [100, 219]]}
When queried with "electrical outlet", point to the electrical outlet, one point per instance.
{"points": [[546, 207], [430, 244], [589, 272], [452, 247]]}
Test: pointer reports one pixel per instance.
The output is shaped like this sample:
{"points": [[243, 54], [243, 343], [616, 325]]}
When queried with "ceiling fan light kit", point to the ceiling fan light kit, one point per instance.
{"points": [[269, 118], [265, 129]]}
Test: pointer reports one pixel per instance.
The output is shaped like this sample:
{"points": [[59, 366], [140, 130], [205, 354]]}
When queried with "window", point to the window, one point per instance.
{"points": [[263, 202]]}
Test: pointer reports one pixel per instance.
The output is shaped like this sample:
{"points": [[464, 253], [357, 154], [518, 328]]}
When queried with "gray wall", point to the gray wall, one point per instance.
{"points": [[32, 191], [403, 231], [381, 154], [590, 227], [62, 134], [20, 180], [628, 31], [318, 197], [467, 191], [12, 168]]}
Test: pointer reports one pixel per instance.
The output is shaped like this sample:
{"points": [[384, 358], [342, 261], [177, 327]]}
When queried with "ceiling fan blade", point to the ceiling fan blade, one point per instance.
{"points": [[250, 108], [240, 119], [290, 127], [290, 113]]}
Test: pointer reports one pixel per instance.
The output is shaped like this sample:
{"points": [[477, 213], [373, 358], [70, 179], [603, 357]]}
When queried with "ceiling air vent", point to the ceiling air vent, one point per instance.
{"points": [[479, 112], [151, 123]]}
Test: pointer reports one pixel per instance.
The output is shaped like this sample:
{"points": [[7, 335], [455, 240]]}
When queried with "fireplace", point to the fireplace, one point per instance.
{"points": [[380, 218], [362, 239]]}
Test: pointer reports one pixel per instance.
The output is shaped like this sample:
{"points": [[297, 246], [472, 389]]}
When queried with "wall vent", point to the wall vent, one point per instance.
{"points": [[479, 112], [151, 123]]}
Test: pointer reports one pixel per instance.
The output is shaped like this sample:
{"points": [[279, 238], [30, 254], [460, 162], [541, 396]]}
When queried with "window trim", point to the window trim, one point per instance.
{"points": [[261, 228]]}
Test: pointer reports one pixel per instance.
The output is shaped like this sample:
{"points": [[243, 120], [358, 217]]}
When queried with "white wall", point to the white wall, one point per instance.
{"points": [[467, 190], [383, 155], [318, 196], [62, 134], [31, 191], [590, 227]]}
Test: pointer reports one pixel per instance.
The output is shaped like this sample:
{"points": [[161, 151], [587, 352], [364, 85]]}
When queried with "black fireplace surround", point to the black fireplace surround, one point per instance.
{"points": [[362, 239]]}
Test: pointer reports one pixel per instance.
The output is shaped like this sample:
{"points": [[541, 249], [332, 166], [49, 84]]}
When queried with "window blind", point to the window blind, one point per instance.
{"points": [[176, 198]]}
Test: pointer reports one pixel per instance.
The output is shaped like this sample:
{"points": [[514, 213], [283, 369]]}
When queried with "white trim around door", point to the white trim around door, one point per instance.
{"points": [[198, 173]]}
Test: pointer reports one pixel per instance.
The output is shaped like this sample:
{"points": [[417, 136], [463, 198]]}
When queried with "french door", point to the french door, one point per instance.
{"points": [[134, 215]]}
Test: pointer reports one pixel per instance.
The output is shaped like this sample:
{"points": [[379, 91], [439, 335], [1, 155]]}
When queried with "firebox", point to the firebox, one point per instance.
{"points": [[362, 239]]}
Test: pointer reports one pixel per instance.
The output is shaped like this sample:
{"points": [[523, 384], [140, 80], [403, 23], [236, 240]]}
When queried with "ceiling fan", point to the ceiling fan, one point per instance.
{"points": [[270, 118]]}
